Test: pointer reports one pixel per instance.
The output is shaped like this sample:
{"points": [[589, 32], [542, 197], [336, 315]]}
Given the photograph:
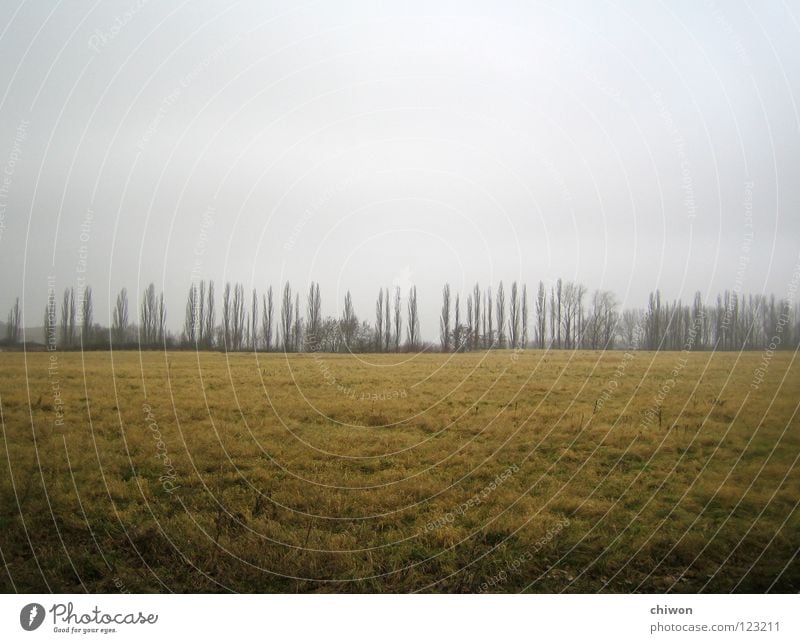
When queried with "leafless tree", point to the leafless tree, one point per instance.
{"points": [[379, 313], [68, 317], [200, 315], [483, 328], [349, 323], [489, 312], [413, 319], [314, 313], [286, 318], [329, 336], [444, 319], [580, 291], [652, 321], [238, 317], [148, 317], [476, 298], [211, 315], [297, 335], [387, 319], [227, 313], [501, 316], [50, 322], [397, 318], [254, 321], [119, 324], [541, 315], [602, 321], [567, 314], [468, 333], [72, 317], [699, 319], [161, 320], [524, 309], [14, 321], [87, 315], [513, 317], [570, 303], [457, 325], [557, 302], [267, 308], [631, 328], [190, 321]]}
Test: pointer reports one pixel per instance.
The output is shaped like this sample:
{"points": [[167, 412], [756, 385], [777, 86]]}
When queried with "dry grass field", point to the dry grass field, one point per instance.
{"points": [[502, 472]]}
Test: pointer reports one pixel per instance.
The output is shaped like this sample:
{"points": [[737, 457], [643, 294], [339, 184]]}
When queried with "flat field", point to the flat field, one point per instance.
{"points": [[539, 471]]}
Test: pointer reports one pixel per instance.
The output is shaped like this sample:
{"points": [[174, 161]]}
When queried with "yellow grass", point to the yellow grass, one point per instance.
{"points": [[501, 471]]}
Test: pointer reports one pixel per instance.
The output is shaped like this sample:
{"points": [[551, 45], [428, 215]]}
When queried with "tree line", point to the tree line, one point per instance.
{"points": [[565, 316]]}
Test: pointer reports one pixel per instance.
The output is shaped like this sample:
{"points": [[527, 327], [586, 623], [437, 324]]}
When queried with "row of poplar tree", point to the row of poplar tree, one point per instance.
{"points": [[564, 316]]}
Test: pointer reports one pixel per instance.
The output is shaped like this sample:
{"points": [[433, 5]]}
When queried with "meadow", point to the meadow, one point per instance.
{"points": [[501, 471]]}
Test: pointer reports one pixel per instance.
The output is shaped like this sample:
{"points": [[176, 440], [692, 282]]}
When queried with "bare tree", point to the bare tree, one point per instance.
{"points": [[567, 314], [524, 308], [489, 312], [254, 321], [200, 315], [87, 314], [580, 292], [631, 328], [397, 318], [571, 301], [468, 334], [246, 334], [238, 317], [314, 311], [148, 320], [557, 302], [286, 318], [501, 316], [298, 326], [513, 317], [699, 319], [457, 324], [476, 299], [50, 322], [227, 313], [387, 318], [119, 324], [190, 320], [266, 319], [483, 328], [610, 319], [413, 319], [602, 321], [541, 315], [14, 320], [379, 313], [162, 320], [349, 323], [68, 317], [210, 321], [444, 319], [72, 327], [652, 321]]}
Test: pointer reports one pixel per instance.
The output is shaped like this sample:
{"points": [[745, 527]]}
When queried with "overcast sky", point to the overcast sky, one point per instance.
{"points": [[369, 144]]}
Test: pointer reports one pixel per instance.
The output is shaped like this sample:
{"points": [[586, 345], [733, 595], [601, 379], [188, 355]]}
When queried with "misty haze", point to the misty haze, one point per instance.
{"points": [[399, 297]]}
